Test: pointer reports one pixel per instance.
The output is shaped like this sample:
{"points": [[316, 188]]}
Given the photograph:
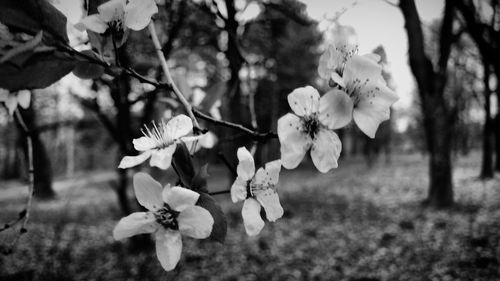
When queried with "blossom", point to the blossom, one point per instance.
{"points": [[256, 189], [206, 141], [360, 79], [13, 99], [159, 143], [311, 128], [171, 212], [118, 15]]}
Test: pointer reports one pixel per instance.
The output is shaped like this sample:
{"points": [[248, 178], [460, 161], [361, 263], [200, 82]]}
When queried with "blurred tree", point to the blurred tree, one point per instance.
{"points": [[438, 115], [41, 161], [483, 25]]}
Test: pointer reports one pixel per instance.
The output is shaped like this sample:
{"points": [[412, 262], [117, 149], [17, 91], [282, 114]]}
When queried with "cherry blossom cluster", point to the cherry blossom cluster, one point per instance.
{"points": [[358, 92]]}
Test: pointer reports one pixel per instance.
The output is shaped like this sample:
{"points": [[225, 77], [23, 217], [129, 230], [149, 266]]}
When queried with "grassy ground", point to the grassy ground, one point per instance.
{"points": [[352, 224]]}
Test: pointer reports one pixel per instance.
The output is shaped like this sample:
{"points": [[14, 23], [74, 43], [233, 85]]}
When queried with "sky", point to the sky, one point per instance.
{"points": [[379, 23]]}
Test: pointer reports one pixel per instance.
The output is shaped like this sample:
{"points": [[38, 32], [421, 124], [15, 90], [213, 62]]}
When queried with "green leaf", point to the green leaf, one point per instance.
{"points": [[219, 229], [199, 182], [39, 71], [88, 70], [184, 164], [31, 16]]}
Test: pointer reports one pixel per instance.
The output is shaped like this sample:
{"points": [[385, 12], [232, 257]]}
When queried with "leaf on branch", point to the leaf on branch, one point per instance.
{"points": [[88, 70], [39, 71], [219, 229], [31, 16], [183, 164], [199, 182]]}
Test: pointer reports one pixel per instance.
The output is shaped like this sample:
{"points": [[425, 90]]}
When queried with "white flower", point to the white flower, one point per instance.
{"points": [[310, 128], [207, 141], [360, 79], [13, 99], [256, 189], [118, 15], [159, 143], [171, 212]]}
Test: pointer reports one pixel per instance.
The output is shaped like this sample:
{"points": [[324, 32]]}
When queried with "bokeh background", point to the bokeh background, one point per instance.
{"points": [[421, 201]]}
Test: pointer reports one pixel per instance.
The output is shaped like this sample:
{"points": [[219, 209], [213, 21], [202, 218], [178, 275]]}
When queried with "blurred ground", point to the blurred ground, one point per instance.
{"points": [[354, 223]]}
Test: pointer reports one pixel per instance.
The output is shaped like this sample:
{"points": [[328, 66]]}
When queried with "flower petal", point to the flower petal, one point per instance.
{"points": [[269, 175], [373, 57], [239, 190], [180, 198], [323, 69], [24, 98], [270, 201], [144, 143], [246, 165], [11, 103], [168, 247], [135, 223], [162, 158], [373, 108], [195, 222], [138, 13], [361, 70], [251, 217], [294, 143], [148, 191], [113, 9], [335, 109], [326, 150], [93, 23], [304, 101], [132, 161], [178, 126], [337, 80]]}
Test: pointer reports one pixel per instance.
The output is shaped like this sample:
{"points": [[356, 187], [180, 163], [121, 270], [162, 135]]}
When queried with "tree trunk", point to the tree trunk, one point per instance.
{"points": [[487, 159], [438, 119], [41, 161], [497, 129]]}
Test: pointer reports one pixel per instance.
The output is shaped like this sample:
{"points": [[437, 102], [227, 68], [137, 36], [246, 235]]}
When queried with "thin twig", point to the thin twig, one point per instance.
{"points": [[166, 71], [220, 192], [261, 137]]}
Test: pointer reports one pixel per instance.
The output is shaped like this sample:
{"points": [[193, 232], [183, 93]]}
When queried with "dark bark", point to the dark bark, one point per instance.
{"points": [[41, 161], [438, 119], [487, 157], [497, 132]]}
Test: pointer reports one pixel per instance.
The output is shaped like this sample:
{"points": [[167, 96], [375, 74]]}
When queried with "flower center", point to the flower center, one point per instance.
{"points": [[167, 217], [253, 189], [158, 135], [311, 125], [354, 89]]}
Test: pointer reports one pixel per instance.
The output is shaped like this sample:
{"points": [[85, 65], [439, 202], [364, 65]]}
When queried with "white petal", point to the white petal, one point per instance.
{"points": [[132, 161], [113, 9], [138, 13], [144, 143], [270, 201], [178, 126], [195, 222], [11, 103], [335, 109], [363, 70], [373, 108], [239, 190], [180, 198], [337, 79], [93, 23], [373, 57], [148, 191], [162, 158], [246, 165], [135, 223], [269, 175], [323, 69], [326, 150], [24, 98], [304, 101], [251, 217], [208, 140], [294, 143], [168, 248]]}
